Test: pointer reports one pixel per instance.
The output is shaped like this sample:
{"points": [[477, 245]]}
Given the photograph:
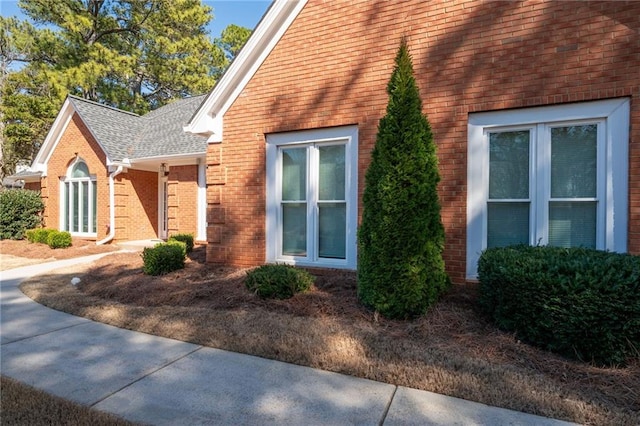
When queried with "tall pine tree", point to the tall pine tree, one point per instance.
{"points": [[401, 238]]}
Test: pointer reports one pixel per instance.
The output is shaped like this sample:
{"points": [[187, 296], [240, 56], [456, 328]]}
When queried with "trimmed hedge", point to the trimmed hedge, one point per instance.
{"points": [[580, 303], [57, 239], [53, 238], [164, 258], [39, 235], [278, 281], [19, 210], [185, 238]]}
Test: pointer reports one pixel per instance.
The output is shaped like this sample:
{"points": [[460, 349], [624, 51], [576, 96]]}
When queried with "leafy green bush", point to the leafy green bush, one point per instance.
{"points": [[19, 210], [181, 244], [278, 281], [580, 303], [163, 258], [401, 271], [185, 238], [41, 235], [57, 239], [30, 235]]}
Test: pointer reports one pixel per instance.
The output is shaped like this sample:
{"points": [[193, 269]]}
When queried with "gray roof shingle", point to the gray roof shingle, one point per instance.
{"points": [[157, 134]]}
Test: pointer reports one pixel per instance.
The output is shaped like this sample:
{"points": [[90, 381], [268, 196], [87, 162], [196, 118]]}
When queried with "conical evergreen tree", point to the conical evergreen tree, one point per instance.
{"points": [[401, 238]]}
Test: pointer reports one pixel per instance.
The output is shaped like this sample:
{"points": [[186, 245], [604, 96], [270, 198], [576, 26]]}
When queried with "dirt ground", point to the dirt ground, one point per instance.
{"points": [[452, 350]]}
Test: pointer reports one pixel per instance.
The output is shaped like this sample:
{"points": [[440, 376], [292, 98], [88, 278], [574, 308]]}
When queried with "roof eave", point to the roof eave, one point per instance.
{"points": [[207, 120]]}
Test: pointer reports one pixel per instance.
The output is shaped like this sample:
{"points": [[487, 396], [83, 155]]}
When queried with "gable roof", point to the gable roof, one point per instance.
{"points": [[125, 136], [207, 120], [112, 128], [162, 133]]}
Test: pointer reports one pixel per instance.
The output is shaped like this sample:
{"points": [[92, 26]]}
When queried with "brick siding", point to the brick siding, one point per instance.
{"points": [[332, 66], [75, 140], [183, 200]]}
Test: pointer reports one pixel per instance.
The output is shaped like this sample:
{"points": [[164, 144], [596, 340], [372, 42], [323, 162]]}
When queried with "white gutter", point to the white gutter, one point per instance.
{"points": [[112, 206]]}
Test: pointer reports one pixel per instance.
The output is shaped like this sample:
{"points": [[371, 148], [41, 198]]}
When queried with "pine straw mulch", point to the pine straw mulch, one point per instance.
{"points": [[452, 350], [25, 405], [18, 253]]}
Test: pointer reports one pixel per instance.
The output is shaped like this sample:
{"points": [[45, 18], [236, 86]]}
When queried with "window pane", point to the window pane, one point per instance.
{"points": [[294, 174], [509, 165], [573, 161], [508, 224], [332, 230], [572, 224], [94, 201], [294, 229], [332, 172], [80, 170], [85, 206]]}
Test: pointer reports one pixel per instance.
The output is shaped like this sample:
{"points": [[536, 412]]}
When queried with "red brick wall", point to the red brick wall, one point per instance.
{"points": [[183, 200], [76, 139], [333, 64], [136, 202]]}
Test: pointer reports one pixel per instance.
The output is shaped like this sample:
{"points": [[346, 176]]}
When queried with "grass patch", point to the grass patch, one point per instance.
{"points": [[451, 350], [24, 405]]}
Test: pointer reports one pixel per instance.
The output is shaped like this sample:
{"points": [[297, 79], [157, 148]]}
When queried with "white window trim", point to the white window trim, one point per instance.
{"points": [[613, 168], [345, 134], [163, 208], [202, 201], [67, 181]]}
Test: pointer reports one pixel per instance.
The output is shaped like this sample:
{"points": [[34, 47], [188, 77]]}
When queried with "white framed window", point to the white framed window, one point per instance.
{"points": [[553, 175], [312, 197], [78, 203]]}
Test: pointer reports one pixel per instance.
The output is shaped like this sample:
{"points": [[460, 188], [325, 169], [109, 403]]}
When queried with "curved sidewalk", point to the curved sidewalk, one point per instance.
{"points": [[161, 381]]}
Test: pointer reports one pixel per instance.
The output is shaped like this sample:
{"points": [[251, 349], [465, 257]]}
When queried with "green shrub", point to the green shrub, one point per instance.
{"points": [[30, 235], [163, 258], [185, 238], [400, 266], [278, 281], [57, 239], [19, 210], [181, 244], [41, 235], [580, 303]]}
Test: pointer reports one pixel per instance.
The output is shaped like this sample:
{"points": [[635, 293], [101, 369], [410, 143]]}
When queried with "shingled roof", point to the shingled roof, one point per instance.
{"points": [[127, 135]]}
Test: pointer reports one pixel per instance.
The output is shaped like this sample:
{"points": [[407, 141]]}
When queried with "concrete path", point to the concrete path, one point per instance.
{"points": [[160, 381]]}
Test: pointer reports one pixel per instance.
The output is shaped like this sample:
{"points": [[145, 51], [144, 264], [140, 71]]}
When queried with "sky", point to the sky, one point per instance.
{"points": [[246, 13]]}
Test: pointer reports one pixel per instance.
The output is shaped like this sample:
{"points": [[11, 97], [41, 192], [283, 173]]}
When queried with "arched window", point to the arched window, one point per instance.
{"points": [[78, 203]]}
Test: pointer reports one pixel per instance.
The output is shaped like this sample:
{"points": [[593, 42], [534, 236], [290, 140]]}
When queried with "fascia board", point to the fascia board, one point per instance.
{"points": [[208, 119], [53, 138]]}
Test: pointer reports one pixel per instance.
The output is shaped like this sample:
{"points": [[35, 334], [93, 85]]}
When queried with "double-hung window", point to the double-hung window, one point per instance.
{"points": [[78, 203], [550, 176], [312, 197]]}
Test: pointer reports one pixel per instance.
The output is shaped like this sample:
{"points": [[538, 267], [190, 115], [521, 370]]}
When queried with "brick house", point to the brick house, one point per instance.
{"points": [[107, 174], [534, 107]]}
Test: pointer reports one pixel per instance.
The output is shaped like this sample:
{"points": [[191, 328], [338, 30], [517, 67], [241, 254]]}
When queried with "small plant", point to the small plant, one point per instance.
{"points": [[278, 281], [163, 258], [41, 235], [30, 235], [19, 210], [185, 238], [183, 246], [57, 239]]}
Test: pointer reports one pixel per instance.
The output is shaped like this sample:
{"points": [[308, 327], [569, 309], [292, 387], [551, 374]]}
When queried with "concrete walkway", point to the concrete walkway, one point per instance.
{"points": [[160, 381]]}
